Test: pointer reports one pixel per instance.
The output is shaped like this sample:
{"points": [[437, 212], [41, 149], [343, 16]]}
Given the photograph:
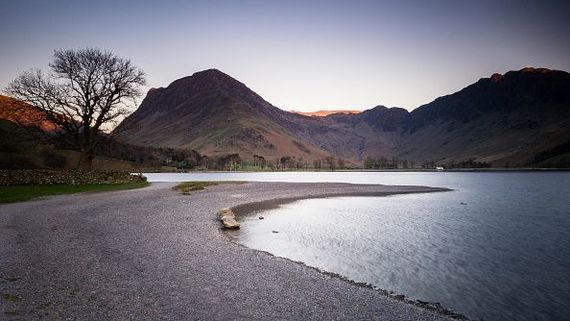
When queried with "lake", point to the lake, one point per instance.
{"points": [[495, 248]]}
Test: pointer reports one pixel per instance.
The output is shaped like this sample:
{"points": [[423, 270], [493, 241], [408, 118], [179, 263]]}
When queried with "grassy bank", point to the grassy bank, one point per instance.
{"points": [[20, 193], [187, 187]]}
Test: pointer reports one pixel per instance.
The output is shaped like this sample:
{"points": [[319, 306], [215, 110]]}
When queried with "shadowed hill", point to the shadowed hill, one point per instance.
{"points": [[28, 139], [504, 119]]}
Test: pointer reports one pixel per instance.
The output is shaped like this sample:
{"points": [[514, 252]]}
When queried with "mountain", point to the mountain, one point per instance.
{"points": [[505, 119], [323, 113], [519, 118], [216, 115]]}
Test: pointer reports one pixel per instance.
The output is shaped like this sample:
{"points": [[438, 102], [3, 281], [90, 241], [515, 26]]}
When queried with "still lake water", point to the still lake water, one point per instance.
{"points": [[495, 248]]}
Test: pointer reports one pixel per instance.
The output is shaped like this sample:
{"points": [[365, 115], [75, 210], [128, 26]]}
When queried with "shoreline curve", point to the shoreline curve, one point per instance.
{"points": [[153, 253]]}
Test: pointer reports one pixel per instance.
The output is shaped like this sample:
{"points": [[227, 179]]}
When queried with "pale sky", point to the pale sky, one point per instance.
{"points": [[301, 55]]}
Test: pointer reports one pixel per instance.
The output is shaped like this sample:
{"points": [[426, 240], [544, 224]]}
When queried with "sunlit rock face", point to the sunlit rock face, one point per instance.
{"points": [[25, 115]]}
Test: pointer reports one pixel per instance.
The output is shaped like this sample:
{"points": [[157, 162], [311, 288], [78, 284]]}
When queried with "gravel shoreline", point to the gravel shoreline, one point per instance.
{"points": [[154, 254]]}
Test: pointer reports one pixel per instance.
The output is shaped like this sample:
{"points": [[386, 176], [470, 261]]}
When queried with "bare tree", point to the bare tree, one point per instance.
{"points": [[86, 90]]}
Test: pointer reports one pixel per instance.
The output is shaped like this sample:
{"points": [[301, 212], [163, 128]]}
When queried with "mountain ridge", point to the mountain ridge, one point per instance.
{"points": [[504, 119]]}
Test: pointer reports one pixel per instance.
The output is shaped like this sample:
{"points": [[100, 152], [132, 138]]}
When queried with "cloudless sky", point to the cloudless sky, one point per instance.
{"points": [[302, 55]]}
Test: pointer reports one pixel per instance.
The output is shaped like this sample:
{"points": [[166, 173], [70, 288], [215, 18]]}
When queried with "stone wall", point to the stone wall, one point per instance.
{"points": [[74, 177]]}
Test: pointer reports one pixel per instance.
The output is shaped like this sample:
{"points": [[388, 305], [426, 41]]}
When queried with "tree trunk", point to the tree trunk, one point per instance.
{"points": [[86, 158]]}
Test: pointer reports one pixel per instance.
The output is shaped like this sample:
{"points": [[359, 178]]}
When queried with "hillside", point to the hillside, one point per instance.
{"points": [[517, 119], [504, 120], [21, 130], [24, 115], [29, 140], [216, 115]]}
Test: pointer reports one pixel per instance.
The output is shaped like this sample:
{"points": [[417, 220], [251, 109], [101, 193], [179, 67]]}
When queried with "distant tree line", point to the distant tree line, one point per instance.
{"points": [[292, 163], [470, 163], [395, 163], [392, 163], [146, 156], [283, 163]]}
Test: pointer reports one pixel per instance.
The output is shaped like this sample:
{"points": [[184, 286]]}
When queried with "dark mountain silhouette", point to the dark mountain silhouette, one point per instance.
{"points": [[504, 119], [508, 119]]}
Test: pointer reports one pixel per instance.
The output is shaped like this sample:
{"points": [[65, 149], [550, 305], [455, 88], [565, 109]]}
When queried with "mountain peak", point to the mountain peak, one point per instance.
{"points": [[212, 74], [533, 70], [527, 74], [212, 71], [208, 79], [496, 77]]}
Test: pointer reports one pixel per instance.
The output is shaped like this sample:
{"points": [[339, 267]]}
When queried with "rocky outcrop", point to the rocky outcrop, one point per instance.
{"points": [[228, 218]]}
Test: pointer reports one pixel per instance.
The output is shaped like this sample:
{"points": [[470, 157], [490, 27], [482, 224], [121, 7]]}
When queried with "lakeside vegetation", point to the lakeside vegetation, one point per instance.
{"points": [[234, 162], [20, 193], [187, 187]]}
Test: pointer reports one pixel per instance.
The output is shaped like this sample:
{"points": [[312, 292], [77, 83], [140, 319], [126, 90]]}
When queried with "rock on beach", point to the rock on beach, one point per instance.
{"points": [[228, 218]]}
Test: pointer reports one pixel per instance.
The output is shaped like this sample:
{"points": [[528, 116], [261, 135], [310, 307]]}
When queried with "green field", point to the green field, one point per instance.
{"points": [[20, 193]]}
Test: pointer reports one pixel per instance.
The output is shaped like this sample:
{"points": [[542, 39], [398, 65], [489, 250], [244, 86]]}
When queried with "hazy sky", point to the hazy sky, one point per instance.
{"points": [[303, 55]]}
